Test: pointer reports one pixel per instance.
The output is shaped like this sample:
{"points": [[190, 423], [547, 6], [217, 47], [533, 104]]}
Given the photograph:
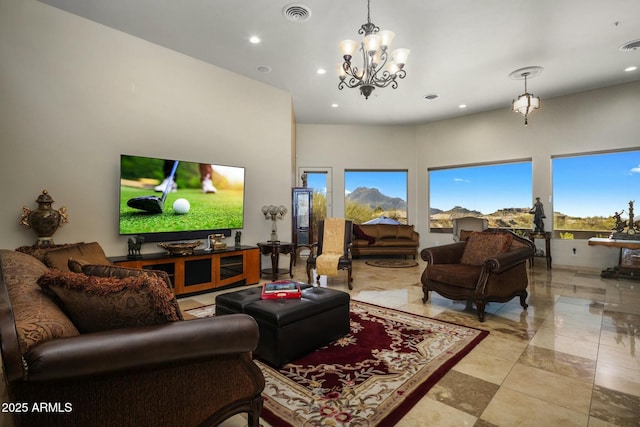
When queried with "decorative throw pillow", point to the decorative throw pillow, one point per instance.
{"points": [[102, 303], [360, 234], [123, 272], [482, 245], [88, 252]]}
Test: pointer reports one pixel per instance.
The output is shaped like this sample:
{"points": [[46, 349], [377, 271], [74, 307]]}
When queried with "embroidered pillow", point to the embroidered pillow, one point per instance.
{"points": [[482, 245], [102, 303], [123, 272]]}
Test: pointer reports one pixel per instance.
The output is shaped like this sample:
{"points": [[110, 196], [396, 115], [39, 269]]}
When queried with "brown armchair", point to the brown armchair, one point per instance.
{"points": [[488, 267]]}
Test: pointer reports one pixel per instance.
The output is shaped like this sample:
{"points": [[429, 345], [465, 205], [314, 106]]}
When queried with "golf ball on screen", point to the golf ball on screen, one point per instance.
{"points": [[181, 206]]}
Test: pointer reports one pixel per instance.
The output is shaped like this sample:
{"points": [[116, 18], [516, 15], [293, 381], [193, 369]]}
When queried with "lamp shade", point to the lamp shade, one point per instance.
{"points": [[348, 47], [400, 56], [386, 37], [526, 103], [371, 43]]}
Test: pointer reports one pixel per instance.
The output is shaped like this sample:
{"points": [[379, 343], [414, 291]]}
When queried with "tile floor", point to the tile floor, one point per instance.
{"points": [[570, 359]]}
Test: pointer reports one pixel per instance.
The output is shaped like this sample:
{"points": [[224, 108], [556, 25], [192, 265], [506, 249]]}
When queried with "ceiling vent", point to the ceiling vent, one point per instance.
{"points": [[296, 12], [630, 46]]}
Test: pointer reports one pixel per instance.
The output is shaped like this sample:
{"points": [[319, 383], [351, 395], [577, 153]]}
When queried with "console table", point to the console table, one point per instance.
{"points": [[274, 249], [628, 260], [203, 270]]}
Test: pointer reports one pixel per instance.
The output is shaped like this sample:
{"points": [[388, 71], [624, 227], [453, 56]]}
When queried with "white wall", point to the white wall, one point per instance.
{"points": [[603, 119], [343, 147], [76, 94]]}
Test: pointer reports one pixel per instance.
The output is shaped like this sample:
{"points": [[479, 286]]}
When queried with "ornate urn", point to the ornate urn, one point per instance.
{"points": [[44, 220]]}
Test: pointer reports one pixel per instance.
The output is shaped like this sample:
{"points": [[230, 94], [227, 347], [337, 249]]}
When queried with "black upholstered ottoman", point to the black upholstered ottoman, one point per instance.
{"points": [[290, 328]]}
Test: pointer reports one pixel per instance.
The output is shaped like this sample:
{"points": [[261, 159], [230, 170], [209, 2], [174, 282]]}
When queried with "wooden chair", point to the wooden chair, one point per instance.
{"points": [[344, 263]]}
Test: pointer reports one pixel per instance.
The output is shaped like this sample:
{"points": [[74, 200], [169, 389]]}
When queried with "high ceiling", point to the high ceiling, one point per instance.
{"points": [[462, 50]]}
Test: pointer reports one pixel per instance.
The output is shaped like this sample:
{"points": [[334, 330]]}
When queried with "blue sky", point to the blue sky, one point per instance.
{"points": [[597, 185], [482, 188]]}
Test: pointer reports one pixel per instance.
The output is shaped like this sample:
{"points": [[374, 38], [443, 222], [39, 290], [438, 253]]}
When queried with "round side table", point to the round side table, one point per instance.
{"points": [[274, 249]]}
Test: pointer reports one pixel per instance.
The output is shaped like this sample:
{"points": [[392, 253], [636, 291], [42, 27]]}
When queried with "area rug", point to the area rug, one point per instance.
{"points": [[371, 377], [391, 263]]}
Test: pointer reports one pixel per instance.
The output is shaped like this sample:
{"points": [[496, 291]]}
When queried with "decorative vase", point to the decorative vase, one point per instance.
{"points": [[44, 221]]}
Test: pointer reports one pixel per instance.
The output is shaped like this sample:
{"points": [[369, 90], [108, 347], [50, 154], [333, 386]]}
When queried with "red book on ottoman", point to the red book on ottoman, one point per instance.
{"points": [[281, 289]]}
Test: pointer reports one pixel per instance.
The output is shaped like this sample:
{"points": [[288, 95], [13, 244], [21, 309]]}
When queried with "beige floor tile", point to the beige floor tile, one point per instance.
{"points": [[511, 408], [556, 389], [563, 364], [506, 348], [622, 356], [615, 377], [430, 412], [548, 337], [485, 366]]}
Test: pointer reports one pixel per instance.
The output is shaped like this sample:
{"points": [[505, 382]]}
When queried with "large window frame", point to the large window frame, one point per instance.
{"points": [[589, 188], [392, 184], [499, 191]]}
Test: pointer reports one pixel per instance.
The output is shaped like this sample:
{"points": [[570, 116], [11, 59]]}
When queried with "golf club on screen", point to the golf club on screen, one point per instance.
{"points": [[153, 204]]}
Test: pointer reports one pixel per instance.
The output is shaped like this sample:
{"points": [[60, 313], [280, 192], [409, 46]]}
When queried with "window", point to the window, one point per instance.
{"points": [[375, 195], [499, 192], [589, 189]]}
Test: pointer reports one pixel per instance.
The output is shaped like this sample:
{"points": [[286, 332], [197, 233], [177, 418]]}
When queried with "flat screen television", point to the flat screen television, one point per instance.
{"points": [[168, 200]]}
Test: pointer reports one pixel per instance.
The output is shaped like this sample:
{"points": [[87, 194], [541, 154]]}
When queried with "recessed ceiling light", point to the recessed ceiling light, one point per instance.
{"points": [[628, 69], [254, 40], [321, 71], [264, 69], [462, 106], [334, 105]]}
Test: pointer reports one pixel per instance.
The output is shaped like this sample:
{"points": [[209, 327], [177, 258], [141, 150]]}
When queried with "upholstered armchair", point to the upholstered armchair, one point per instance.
{"points": [[464, 226], [490, 266], [342, 245]]}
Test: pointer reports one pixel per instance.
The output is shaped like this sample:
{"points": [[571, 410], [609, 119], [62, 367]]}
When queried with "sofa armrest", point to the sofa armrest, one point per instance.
{"points": [[126, 349], [504, 261], [445, 254]]}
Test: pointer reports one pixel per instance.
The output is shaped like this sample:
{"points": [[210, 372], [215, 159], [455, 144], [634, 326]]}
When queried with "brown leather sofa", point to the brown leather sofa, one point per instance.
{"points": [[490, 266], [180, 373], [384, 239]]}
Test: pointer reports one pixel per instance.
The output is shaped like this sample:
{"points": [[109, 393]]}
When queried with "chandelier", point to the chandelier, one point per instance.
{"points": [[377, 70], [527, 102]]}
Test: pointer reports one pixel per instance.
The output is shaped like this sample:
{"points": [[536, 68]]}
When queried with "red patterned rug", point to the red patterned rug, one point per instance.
{"points": [[371, 377]]}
